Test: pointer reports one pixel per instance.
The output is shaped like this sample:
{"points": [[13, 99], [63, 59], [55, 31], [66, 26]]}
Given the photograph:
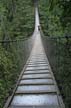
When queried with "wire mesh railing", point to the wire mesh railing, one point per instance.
{"points": [[13, 56], [58, 51]]}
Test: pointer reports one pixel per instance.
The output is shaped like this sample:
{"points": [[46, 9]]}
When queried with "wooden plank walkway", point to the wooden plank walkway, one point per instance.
{"points": [[37, 87]]}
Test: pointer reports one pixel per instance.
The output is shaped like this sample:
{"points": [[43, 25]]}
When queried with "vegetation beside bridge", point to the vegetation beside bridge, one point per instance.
{"points": [[16, 22], [55, 19]]}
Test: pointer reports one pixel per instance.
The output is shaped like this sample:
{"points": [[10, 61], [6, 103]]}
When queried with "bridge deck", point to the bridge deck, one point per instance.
{"points": [[37, 87]]}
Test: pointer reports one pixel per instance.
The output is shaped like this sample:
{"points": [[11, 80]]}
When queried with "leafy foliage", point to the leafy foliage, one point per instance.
{"points": [[16, 22], [57, 14], [14, 18], [55, 18]]}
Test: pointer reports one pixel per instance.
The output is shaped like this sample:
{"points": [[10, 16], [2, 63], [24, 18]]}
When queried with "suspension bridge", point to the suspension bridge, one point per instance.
{"points": [[36, 86]]}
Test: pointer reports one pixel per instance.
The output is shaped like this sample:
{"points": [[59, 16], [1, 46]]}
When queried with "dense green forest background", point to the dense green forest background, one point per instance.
{"points": [[57, 14], [16, 22], [55, 19]]}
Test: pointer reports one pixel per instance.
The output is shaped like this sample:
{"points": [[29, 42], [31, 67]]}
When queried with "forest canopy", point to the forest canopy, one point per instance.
{"points": [[16, 18], [57, 14]]}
